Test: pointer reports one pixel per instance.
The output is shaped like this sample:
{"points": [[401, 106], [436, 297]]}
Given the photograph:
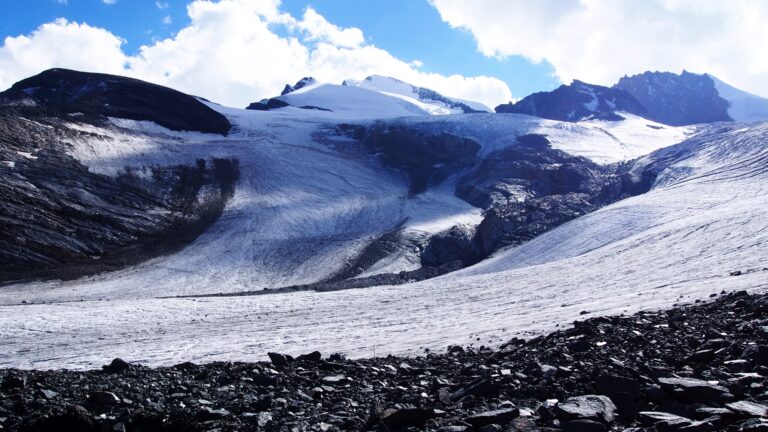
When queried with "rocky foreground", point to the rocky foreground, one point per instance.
{"points": [[692, 368]]}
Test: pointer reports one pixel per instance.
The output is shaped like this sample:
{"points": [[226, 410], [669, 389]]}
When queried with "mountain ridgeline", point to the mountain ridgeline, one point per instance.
{"points": [[67, 91], [408, 183], [664, 97]]}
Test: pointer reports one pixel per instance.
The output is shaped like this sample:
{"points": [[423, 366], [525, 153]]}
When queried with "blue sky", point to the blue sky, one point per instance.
{"points": [[238, 51], [408, 29]]}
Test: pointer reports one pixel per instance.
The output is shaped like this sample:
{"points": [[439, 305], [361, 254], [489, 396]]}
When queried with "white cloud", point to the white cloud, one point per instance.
{"points": [[161, 4], [232, 53], [318, 28], [167, 20], [60, 43], [109, 2], [62, 2], [601, 40]]}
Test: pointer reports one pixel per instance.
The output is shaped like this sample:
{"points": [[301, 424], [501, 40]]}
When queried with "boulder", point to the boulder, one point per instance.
{"points": [[584, 426], [499, 416], [278, 359], [102, 401], [406, 417], [314, 356], [117, 365], [692, 390], [589, 407], [748, 409]]}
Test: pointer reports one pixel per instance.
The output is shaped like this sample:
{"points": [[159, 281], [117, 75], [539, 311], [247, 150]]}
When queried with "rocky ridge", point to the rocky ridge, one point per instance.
{"points": [[698, 367], [67, 91]]}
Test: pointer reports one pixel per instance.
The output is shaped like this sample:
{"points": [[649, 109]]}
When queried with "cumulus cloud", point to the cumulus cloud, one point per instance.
{"points": [[60, 43], [601, 40], [233, 52]]}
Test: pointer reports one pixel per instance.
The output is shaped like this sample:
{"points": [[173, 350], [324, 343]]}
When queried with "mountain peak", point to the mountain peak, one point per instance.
{"points": [[69, 91], [677, 100], [575, 102], [304, 82]]}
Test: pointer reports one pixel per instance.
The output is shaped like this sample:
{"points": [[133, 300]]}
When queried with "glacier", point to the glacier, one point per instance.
{"points": [[309, 200]]}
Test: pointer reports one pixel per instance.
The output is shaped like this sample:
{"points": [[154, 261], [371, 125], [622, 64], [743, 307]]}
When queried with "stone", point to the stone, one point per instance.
{"points": [[74, 418], [47, 394], [757, 354], [479, 387], [116, 366], [335, 379], [748, 409], [278, 359], [14, 383], [589, 407], [701, 356], [546, 410], [666, 422], [692, 390], [584, 426], [406, 417], [208, 413], [754, 425], [458, 428], [314, 356], [622, 391], [102, 401], [499, 416]]}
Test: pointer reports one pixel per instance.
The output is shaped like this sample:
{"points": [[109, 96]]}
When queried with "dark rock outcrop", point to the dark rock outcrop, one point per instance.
{"points": [[426, 158], [575, 102], [299, 85], [677, 99], [59, 219], [68, 91]]}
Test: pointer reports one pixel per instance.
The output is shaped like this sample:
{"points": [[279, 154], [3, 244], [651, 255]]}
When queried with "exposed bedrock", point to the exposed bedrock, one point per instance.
{"points": [[426, 158], [525, 189], [68, 91], [58, 219]]}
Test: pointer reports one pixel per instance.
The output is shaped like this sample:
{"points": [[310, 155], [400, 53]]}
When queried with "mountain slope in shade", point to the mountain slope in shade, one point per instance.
{"points": [[742, 106], [575, 102], [67, 91], [677, 100]]}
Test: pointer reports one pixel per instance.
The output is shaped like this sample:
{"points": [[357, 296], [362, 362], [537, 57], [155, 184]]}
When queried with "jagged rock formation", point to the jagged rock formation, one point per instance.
{"points": [[691, 368], [426, 158], [67, 91], [525, 189], [299, 85], [677, 99], [575, 102]]}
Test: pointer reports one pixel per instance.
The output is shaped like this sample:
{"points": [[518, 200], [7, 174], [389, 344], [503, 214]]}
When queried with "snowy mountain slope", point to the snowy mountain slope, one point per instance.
{"points": [[352, 102], [601, 141], [309, 200], [699, 231], [373, 97], [742, 106], [430, 100]]}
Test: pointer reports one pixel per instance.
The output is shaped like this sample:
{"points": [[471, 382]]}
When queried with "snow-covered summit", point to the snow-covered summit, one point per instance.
{"points": [[373, 97], [431, 100]]}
